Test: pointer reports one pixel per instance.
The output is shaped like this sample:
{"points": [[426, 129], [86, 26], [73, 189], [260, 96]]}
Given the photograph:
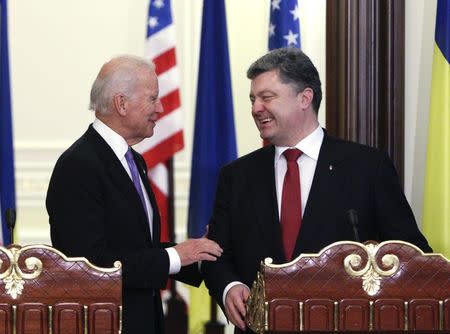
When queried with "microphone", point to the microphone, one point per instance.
{"points": [[352, 217], [11, 221]]}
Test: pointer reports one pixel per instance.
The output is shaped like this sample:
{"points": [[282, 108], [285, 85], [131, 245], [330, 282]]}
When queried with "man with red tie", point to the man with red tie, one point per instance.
{"points": [[294, 195]]}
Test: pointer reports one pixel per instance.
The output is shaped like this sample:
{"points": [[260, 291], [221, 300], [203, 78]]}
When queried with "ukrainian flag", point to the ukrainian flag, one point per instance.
{"points": [[436, 214], [214, 138]]}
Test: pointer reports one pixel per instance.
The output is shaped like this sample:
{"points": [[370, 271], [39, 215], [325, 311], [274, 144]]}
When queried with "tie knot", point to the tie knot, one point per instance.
{"points": [[292, 154], [129, 155]]}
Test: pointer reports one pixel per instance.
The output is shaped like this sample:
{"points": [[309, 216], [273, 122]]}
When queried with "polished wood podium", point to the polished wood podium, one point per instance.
{"points": [[43, 291], [349, 286]]}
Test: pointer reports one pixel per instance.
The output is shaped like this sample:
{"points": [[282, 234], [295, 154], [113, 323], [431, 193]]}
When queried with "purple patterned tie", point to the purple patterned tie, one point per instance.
{"points": [[136, 178]]}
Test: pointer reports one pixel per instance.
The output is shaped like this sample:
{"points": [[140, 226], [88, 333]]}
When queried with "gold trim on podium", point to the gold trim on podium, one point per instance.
{"points": [[368, 270]]}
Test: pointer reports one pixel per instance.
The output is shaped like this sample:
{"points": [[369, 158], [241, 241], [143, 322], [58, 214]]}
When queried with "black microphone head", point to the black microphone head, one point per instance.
{"points": [[10, 215]]}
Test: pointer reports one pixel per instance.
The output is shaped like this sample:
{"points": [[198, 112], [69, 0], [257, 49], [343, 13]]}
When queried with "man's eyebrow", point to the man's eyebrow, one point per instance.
{"points": [[265, 91]]}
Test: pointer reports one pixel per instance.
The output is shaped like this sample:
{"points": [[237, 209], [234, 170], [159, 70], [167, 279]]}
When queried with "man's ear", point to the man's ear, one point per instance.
{"points": [[306, 97], [120, 104]]}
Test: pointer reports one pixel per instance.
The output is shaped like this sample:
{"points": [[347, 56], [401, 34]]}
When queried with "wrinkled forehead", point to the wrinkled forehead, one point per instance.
{"points": [[268, 81], [148, 81]]}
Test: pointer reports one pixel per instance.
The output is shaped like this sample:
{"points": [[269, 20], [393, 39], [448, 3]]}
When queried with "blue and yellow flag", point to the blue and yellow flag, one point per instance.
{"points": [[214, 137], [436, 213], [7, 191]]}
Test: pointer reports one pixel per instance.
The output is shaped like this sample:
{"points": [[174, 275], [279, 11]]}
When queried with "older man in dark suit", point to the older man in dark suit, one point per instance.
{"points": [[293, 196], [100, 202]]}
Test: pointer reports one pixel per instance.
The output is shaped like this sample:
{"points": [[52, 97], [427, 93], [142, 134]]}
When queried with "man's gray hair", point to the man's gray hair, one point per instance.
{"points": [[119, 75], [294, 68]]}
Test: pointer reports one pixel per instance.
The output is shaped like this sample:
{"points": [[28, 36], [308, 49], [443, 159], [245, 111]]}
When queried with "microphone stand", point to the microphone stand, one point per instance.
{"points": [[352, 216], [10, 215], [176, 319]]}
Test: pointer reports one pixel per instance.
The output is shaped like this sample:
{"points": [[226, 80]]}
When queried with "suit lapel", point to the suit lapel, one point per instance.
{"points": [[142, 167], [266, 203], [323, 189], [117, 173]]}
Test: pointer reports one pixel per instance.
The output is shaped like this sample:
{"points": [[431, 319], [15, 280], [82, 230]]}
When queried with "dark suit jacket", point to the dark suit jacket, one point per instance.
{"points": [[348, 176], [95, 212]]}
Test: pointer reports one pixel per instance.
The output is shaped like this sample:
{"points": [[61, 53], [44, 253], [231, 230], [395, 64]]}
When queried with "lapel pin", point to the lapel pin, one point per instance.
{"points": [[331, 167]]}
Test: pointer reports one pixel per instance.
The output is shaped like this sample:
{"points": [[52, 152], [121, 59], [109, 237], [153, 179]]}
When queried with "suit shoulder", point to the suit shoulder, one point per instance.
{"points": [[78, 151], [81, 157], [253, 158], [350, 148]]}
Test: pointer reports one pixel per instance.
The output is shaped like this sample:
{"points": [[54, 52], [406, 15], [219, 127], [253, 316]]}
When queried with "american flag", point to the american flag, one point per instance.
{"points": [[168, 135], [284, 26]]}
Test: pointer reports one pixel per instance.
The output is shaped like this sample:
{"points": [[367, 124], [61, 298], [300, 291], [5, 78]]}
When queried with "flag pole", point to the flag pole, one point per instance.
{"points": [[214, 143], [176, 318], [213, 326]]}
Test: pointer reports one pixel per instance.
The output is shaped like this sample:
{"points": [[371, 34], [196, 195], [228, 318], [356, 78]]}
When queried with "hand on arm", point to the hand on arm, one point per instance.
{"points": [[235, 305], [194, 250]]}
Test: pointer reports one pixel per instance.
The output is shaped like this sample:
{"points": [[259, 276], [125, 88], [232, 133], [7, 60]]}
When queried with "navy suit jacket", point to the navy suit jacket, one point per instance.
{"points": [[348, 176], [95, 212]]}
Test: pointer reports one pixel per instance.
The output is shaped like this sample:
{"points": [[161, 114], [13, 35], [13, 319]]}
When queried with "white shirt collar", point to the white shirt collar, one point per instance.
{"points": [[310, 145], [114, 140]]}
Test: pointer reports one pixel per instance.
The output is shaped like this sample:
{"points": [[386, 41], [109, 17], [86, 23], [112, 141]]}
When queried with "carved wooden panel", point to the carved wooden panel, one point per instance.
{"points": [[350, 286], [354, 314], [365, 64], [424, 314], [389, 314], [68, 318], [284, 314], [103, 319], [319, 315], [32, 318], [43, 290], [5, 319]]}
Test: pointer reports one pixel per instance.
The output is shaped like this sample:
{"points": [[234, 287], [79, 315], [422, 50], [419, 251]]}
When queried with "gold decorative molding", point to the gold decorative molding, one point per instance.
{"points": [[371, 273], [268, 262], [256, 309], [363, 267], [13, 276]]}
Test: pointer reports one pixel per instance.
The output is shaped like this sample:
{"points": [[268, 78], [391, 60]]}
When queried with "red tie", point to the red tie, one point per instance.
{"points": [[291, 209]]}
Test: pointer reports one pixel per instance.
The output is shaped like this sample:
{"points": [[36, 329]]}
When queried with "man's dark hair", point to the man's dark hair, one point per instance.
{"points": [[294, 67]]}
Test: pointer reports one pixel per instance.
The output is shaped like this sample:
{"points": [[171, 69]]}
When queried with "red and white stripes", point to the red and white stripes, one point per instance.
{"points": [[168, 135]]}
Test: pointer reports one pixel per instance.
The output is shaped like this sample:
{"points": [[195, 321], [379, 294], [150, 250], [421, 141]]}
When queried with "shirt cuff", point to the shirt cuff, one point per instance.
{"points": [[228, 287], [174, 261]]}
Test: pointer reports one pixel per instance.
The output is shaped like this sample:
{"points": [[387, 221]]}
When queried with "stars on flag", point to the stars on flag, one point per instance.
{"points": [[271, 29], [160, 17], [284, 26], [295, 13], [291, 38], [152, 22], [158, 4], [276, 4]]}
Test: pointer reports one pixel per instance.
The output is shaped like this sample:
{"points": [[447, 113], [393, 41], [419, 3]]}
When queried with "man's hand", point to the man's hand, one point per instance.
{"points": [[235, 305], [194, 250]]}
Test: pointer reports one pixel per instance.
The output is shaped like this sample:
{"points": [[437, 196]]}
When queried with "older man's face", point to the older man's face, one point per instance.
{"points": [[144, 107]]}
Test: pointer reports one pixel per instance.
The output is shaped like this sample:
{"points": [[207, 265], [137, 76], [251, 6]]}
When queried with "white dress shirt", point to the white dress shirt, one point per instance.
{"points": [[310, 146], [307, 162], [120, 147]]}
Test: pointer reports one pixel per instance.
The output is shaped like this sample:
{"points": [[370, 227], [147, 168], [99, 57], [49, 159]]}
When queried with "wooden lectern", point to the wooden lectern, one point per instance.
{"points": [[42, 291], [349, 286]]}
